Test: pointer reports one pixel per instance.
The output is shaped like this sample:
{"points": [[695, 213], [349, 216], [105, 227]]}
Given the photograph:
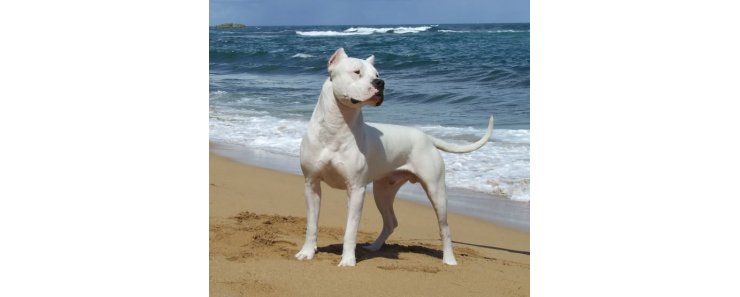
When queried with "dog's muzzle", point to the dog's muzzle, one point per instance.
{"points": [[379, 85]]}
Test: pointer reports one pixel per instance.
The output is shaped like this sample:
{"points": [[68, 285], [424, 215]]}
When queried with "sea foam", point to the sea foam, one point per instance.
{"points": [[366, 31], [302, 56], [500, 168]]}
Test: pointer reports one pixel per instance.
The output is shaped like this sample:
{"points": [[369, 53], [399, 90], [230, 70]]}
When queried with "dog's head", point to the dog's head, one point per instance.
{"points": [[355, 81]]}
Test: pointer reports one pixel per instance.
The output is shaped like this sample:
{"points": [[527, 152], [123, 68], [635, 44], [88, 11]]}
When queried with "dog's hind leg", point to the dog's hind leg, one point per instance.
{"points": [[312, 194], [385, 190], [437, 194]]}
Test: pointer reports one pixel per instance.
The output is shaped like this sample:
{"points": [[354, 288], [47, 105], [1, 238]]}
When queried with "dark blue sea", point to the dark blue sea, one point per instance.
{"points": [[443, 79]]}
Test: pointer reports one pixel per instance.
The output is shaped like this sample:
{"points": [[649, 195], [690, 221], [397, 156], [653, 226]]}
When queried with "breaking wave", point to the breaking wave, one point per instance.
{"points": [[366, 31]]}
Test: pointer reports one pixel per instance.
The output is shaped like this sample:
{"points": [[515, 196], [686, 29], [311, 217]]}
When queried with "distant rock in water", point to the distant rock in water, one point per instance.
{"points": [[230, 26]]}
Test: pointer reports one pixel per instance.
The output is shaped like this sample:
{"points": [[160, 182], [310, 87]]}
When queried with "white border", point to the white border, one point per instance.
{"points": [[104, 121], [634, 148]]}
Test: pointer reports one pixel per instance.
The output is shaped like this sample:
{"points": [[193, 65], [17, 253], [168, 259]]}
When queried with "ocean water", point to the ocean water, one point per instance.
{"points": [[444, 79]]}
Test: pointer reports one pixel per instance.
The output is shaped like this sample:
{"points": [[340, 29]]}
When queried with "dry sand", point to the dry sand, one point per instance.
{"points": [[257, 223]]}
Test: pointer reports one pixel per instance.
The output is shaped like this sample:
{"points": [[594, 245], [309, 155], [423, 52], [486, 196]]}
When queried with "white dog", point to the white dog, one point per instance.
{"points": [[340, 149]]}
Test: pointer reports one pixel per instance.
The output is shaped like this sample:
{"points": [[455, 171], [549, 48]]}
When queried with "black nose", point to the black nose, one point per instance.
{"points": [[378, 84]]}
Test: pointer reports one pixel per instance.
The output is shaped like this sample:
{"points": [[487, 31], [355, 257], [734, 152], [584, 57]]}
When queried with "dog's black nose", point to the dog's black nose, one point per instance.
{"points": [[378, 84]]}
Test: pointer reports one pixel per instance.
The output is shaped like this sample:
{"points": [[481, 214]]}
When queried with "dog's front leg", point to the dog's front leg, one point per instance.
{"points": [[312, 192], [356, 197]]}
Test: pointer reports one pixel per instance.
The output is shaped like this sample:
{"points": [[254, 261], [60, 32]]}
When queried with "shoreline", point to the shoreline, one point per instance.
{"points": [[514, 214], [257, 224]]}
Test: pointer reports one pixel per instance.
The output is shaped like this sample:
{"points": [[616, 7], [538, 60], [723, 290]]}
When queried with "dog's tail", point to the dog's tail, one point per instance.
{"points": [[454, 148]]}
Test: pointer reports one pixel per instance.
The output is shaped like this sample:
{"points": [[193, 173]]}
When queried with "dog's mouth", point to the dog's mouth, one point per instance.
{"points": [[377, 99]]}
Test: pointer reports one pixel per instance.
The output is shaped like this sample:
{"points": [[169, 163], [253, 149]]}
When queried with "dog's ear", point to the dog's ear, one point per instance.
{"points": [[371, 59], [336, 57]]}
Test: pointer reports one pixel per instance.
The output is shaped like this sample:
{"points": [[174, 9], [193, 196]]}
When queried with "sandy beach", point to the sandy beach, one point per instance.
{"points": [[257, 224]]}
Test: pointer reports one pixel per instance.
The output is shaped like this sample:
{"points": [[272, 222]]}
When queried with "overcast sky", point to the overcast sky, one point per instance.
{"points": [[353, 12]]}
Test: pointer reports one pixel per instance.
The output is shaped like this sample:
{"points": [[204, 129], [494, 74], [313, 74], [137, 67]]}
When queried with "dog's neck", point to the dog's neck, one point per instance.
{"points": [[335, 122]]}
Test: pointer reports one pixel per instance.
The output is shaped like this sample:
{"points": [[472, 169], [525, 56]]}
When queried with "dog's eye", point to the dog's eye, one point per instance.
{"points": [[357, 72]]}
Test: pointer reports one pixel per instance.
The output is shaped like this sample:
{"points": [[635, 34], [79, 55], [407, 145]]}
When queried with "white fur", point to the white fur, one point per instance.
{"points": [[343, 151]]}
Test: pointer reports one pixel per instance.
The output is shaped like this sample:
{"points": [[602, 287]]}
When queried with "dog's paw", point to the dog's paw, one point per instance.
{"points": [[347, 262], [305, 254], [449, 261], [372, 247]]}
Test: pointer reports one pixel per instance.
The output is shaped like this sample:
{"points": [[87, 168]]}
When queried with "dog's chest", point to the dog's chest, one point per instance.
{"points": [[336, 168], [334, 176]]}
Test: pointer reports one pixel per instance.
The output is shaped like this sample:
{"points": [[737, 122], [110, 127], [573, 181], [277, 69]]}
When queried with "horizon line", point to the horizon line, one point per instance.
{"points": [[389, 24]]}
